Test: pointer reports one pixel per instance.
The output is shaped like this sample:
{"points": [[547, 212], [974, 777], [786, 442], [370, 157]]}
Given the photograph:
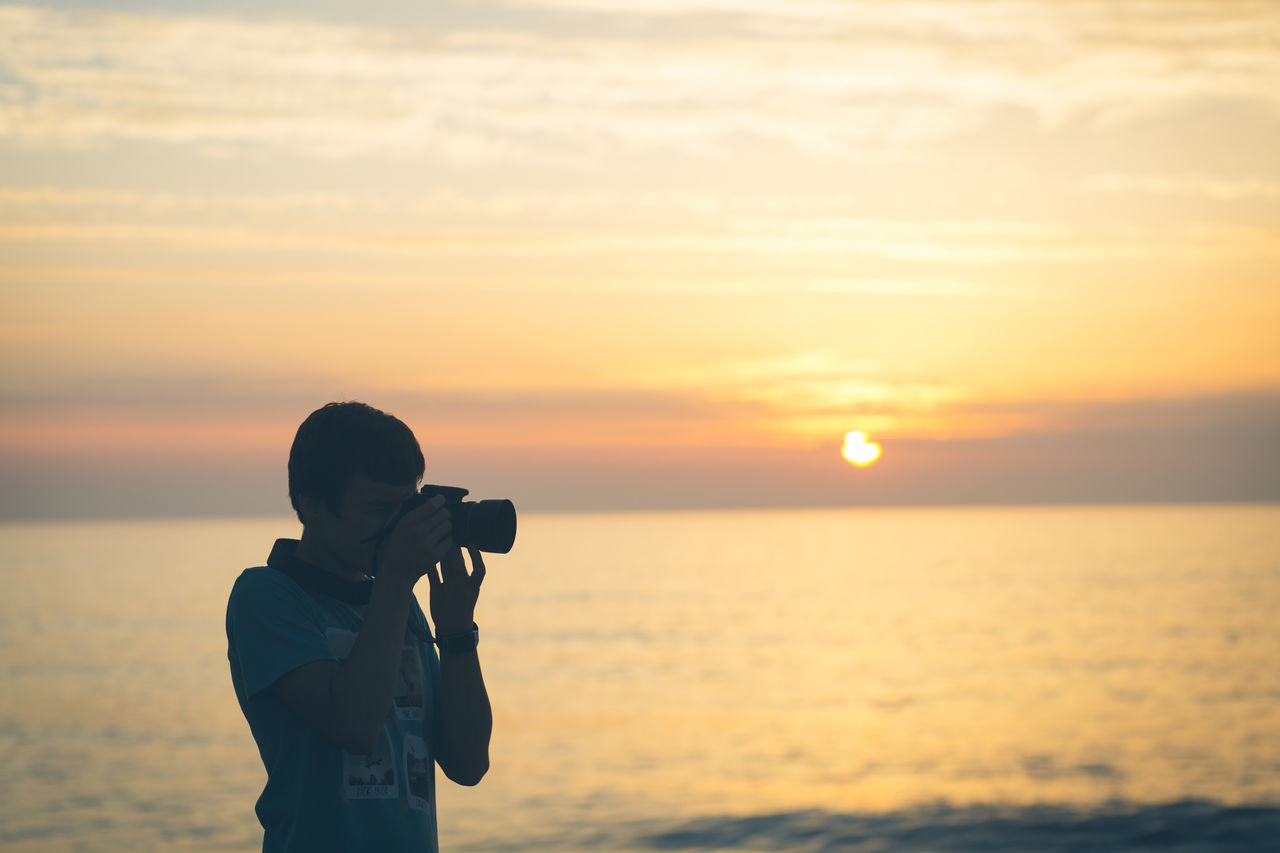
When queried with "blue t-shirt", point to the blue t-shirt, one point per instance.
{"points": [[319, 797]]}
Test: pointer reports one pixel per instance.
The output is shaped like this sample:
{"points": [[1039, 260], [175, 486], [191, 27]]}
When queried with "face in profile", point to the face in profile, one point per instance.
{"points": [[366, 508]]}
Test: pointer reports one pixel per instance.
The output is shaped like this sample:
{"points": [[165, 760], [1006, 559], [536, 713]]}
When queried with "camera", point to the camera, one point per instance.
{"points": [[484, 525]]}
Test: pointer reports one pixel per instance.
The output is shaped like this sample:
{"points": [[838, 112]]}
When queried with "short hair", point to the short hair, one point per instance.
{"points": [[339, 440]]}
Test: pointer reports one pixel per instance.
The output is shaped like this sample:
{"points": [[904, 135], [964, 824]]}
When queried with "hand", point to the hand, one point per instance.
{"points": [[454, 593], [419, 540]]}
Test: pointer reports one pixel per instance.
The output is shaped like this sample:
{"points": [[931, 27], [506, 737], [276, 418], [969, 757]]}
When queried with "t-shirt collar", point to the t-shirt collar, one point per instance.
{"points": [[312, 578]]}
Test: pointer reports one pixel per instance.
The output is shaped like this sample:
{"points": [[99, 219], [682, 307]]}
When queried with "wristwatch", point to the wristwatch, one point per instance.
{"points": [[460, 644]]}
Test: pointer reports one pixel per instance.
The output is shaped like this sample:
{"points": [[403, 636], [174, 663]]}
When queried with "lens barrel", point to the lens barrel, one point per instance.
{"points": [[488, 526], [484, 525]]}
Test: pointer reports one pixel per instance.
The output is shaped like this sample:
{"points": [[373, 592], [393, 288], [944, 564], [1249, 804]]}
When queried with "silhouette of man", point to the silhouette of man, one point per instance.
{"points": [[324, 636]]}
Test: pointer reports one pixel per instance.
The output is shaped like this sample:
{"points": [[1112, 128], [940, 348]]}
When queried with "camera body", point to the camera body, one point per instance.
{"points": [[488, 526]]}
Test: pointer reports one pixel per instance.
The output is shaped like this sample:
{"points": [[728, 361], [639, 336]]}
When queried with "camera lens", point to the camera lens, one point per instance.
{"points": [[484, 525]]}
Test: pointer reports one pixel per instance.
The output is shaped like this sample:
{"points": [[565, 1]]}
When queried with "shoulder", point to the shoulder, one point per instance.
{"points": [[263, 593], [264, 581]]}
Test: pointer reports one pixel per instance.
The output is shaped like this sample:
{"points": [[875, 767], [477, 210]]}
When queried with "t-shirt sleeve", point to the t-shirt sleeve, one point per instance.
{"points": [[419, 621], [272, 629]]}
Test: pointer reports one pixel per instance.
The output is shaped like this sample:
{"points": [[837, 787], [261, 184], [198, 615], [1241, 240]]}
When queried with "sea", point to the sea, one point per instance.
{"points": [[1083, 678]]}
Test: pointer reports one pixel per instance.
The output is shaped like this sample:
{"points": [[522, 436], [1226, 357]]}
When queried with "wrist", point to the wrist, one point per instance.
{"points": [[459, 643], [395, 580], [454, 629]]}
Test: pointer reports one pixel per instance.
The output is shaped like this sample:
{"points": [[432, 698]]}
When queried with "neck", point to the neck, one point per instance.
{"points": [[315, 552]]}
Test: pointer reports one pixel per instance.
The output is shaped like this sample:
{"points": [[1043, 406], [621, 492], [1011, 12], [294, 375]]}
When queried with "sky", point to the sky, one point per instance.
{"points": [[612, 254]]}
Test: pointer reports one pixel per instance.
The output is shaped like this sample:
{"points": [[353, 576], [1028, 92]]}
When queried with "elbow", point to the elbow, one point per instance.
{"points": [[470, 774]]}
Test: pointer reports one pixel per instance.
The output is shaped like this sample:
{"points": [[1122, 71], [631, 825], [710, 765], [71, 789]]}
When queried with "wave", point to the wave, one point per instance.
{"points": [[1192, 825]]}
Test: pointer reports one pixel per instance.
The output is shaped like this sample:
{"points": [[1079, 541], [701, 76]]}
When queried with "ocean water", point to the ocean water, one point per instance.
{"points": [[1021, 679]]}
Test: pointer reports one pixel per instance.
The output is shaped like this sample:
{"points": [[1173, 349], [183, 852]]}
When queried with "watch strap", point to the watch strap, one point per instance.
{"points": [[460, 644]]}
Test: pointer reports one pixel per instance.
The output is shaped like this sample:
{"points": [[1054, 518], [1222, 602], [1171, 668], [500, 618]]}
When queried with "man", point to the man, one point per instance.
{"points": [[332, 659]]}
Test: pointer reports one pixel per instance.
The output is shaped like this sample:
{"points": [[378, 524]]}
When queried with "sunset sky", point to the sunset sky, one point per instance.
{"points": [[624, 254]]}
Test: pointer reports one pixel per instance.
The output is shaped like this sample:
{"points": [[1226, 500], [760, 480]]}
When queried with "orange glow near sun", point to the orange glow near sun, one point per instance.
{"points": [[858, 450]]}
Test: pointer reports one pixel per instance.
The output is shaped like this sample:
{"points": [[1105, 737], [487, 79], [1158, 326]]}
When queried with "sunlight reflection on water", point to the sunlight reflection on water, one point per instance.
{"points": [[672, 666]]}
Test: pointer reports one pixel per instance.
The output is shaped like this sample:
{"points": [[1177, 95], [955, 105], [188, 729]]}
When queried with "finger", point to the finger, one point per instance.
{"points": [[432, 578], [452, 567], [441, 541], [437, 520], [432, 526], [426, 512], [477, 567], [430, 534]]}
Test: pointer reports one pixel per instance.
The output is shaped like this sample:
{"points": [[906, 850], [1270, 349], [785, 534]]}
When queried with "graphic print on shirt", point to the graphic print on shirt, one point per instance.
{"points": [[418, 764], [372, 776], [408, 698]]}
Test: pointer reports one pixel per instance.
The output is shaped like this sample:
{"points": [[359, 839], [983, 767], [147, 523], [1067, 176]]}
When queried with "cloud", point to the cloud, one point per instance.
{"points": [[196, 396], [933, 243], [804, 399], [1186, 185], [858, 79], [922, 243], [225, 415], [554, 225], [898, 287], [1218, 448]]}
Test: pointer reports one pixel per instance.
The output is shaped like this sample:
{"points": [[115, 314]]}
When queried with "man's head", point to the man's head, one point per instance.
{"points": [[345, 448]]}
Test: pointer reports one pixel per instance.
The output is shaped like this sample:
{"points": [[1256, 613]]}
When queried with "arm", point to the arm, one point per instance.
{"points": [[464, 719], [347, 702]]}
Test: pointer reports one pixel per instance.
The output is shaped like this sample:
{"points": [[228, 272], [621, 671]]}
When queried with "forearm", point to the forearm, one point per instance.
{"points": [[466, 718], [363, 687]]}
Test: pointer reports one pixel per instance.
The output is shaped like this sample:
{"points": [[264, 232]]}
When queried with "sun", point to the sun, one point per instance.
{"points": [[858, 450]]}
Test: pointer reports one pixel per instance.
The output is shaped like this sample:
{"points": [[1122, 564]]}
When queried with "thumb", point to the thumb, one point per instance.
{"points": [[432, 578]]}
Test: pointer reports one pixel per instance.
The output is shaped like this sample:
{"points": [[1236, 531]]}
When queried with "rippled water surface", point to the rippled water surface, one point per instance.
{"points": [[906, 679]]}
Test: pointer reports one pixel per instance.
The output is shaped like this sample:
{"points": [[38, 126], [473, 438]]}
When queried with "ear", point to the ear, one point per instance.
{"points": [[311, 508]]}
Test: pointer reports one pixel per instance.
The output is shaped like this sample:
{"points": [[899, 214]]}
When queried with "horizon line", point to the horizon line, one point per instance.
{"points": [[16, 520]]}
